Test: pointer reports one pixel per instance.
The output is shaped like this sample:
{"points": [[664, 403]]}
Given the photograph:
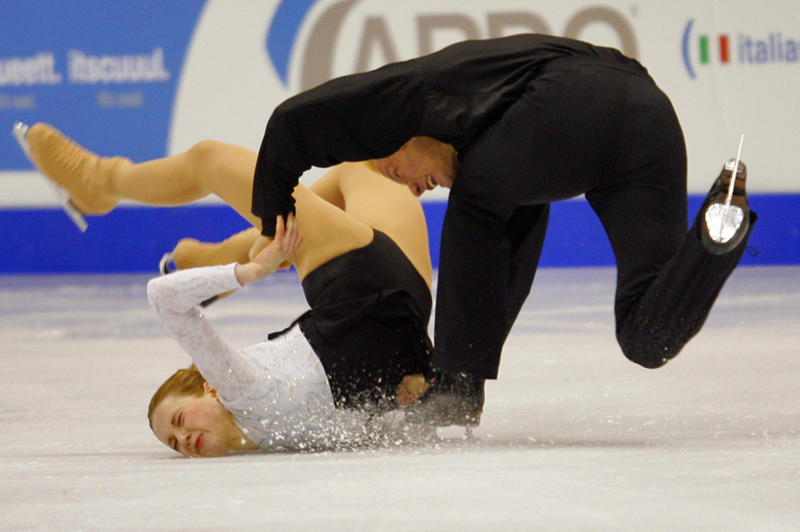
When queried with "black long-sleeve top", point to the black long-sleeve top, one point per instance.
{"points": [[452, 96]]}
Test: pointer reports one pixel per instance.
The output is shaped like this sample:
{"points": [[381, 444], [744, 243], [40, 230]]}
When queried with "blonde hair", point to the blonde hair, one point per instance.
{"points": [[183, 382]]}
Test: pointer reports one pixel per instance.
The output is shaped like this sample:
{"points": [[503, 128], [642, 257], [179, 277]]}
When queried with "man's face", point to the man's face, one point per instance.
{"points": [[421, 164]]}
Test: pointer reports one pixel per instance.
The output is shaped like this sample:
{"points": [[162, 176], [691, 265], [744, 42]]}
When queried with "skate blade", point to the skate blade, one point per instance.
{"points": [[166, 266], [19, 132], [723, 222]]}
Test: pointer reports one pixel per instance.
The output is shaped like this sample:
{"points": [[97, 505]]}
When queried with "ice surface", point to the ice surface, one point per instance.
{"points": [[574, 437]]}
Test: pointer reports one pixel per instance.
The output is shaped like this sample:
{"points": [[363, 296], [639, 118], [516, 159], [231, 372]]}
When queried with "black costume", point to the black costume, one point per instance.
{"points": [[534, 119], [368, 322]]}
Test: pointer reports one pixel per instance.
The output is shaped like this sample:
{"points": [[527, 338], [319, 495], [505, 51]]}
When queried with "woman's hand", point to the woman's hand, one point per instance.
{"points": [[276, 255]]}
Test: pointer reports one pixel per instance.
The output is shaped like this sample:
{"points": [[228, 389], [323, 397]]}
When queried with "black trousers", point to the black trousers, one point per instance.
{"points": [[593, 127]]}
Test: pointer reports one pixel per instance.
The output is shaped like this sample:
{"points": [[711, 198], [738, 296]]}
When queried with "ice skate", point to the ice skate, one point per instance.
{"points": [[166, 265], [725, 224], [20, 132], [83, 174], [452, 399]]}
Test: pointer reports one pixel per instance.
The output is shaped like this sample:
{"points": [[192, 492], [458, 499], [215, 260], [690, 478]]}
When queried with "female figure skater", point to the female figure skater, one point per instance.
{"points": [[365, 269]]}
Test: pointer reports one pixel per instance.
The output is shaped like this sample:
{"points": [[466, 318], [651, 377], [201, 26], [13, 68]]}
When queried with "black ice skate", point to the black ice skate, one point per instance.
{"points": [[726, 212], [452, 399]]}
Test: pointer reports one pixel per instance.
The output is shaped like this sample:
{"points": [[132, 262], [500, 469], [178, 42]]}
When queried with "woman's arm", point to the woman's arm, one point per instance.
{"points": [[175, 297], [178, 293], [271, 254]]}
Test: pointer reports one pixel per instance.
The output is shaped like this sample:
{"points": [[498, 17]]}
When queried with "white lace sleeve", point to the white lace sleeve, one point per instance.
{"points": [[174, 297]]}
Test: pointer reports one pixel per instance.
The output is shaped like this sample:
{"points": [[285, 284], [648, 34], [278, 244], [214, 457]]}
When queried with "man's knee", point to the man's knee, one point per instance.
{"points": [[648, 352]]}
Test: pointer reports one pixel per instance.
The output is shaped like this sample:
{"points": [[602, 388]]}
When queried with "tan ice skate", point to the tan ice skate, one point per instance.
{"points": [[191, 253], [20, 132], [83, 174]]}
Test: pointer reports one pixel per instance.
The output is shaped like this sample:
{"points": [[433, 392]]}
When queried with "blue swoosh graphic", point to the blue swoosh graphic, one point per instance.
{"points": [[686, 60], [283, 31]]}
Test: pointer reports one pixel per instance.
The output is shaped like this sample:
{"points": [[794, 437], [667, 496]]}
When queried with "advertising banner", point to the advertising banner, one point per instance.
{"points": [[729, 67], [148, 79], [107, 70]]}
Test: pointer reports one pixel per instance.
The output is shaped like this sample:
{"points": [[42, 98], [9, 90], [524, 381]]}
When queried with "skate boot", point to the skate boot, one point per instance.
{"points": [[452, 399], [20, 134], [83, 174], [723, 227]]}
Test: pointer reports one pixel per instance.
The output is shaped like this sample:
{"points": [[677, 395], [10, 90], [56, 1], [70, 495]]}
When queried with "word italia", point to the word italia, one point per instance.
{"points": [[82, 68], [774, 49]]}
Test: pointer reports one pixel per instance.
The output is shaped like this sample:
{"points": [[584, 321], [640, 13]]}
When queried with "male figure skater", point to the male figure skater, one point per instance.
{"points": [[511, 125]]}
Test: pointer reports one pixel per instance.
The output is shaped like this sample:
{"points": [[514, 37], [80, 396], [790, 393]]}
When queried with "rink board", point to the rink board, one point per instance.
{"points": [[133, 239]]}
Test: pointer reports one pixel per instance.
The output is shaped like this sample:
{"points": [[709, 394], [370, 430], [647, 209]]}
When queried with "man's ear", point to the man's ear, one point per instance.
{"points": [[210, 390]]}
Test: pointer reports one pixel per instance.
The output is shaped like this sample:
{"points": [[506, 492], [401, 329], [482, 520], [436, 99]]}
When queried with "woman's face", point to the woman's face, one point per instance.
{"points": [[195, 426], [421, 164]]}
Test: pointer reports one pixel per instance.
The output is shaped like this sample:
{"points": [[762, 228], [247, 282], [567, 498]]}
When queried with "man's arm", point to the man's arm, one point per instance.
{"points": [[354, 118]]}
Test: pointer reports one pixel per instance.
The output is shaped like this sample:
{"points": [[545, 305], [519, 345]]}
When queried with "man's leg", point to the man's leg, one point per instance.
{"points": [[526, 231], [667, 280], [456, 396]]}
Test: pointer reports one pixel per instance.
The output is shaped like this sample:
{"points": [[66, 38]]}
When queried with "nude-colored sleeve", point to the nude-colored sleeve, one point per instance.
{"points": [[175, 298]]}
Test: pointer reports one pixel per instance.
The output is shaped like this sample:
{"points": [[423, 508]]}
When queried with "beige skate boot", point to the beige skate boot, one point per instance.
{"points": [[83, 174], [191, 253]]}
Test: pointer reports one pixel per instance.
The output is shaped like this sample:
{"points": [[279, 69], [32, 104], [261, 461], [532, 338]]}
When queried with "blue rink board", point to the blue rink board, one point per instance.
{"points": [[133, 239]]}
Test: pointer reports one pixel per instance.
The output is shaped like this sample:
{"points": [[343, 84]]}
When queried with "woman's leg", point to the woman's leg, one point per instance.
{"points": [[362, 194], [191, 253], [353, 188], [381, 204], [96, 184]]}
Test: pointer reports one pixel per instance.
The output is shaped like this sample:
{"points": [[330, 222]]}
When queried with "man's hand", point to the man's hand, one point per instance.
{"points": [[268, 255], [410, 389]]}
